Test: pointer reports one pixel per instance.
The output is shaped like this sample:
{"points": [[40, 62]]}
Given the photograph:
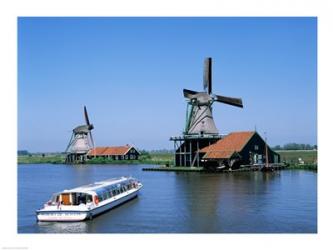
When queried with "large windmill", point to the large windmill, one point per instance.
{"points": [[199, 118], [81, 142], [200, 128]]}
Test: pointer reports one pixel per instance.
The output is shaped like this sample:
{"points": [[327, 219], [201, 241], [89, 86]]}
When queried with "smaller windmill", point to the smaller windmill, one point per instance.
{"points": [[81, 142]]}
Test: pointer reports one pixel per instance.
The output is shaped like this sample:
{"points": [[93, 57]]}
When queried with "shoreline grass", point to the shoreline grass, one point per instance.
{"points": [[312, 167], [154, 159]]}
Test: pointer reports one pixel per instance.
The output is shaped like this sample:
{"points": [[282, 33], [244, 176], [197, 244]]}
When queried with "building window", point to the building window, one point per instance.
{"points": [[256, 147], [126, 157]]}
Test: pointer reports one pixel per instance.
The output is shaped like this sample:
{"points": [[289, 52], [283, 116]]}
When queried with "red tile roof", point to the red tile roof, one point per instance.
{"points": [[218, 154], [225, 147], [121, 150]]}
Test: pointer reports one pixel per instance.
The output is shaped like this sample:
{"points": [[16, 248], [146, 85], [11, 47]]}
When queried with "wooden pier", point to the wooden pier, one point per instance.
{"points": [[175, 169], [243, 168]]}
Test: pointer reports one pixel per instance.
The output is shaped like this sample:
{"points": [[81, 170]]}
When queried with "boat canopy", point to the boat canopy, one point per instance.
{"points": [[102, 186]]}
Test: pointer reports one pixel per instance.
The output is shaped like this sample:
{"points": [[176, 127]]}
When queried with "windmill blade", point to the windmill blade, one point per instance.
{"points": [[86, 116], [188, 93], [229, 100], [70, 143], [207, 81], [92, 139], [90, 126]]}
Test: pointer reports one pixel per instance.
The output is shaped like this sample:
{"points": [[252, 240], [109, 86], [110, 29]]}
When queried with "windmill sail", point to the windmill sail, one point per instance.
{"points": [[200, 119], [207, 81], [229, 100]]}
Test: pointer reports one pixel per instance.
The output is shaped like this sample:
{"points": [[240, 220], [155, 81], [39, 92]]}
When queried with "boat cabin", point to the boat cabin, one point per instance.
{"points": [[96, 192], [72, 199]]}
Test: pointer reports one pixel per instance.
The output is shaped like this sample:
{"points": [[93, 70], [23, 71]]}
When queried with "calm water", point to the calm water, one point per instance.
{"points": [[251, 202]]}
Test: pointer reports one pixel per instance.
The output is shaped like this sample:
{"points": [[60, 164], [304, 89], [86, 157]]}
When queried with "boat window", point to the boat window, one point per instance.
{"points": [[65, 199], [108, 196], [75, 198], [55, 198], [89, 198], [101, 194], [80, 198]]}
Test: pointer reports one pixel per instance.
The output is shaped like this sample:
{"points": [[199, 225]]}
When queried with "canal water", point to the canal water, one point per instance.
{"points": [[249, 202]]}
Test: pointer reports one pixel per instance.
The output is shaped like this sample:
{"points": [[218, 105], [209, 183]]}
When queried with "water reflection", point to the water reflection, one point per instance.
{"points": [[207, 198], [64, 227], [198, 200]]}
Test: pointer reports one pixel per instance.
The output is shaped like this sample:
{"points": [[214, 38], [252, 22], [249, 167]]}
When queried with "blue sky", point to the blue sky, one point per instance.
{"points": [[130, 73]]}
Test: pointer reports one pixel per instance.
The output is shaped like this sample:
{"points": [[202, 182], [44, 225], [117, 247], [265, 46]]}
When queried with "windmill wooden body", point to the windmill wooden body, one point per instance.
{"points": [[200, 129], [81, 142]]}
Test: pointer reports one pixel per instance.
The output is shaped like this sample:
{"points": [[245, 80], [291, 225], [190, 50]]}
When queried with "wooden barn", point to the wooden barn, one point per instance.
{"points": [[126, 152], [238, 148]]}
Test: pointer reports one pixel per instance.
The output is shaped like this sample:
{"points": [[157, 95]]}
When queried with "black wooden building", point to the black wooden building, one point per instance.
{"points": [[236, 149]]}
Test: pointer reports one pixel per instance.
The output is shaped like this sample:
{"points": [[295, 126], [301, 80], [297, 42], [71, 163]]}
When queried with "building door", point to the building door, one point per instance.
{"points": [[260, 159], [257, 159]]}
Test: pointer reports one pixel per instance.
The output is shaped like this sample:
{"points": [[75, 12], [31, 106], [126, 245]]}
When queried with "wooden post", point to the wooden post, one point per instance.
{"points": [[190, 153], [185, 153], [266, 153], [175, 149], [180, 154], [197, 153]]}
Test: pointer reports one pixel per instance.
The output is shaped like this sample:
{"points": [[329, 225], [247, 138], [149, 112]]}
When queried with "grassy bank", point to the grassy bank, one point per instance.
{"points": [[292, 156], [312, 167], [156, 159], [38, 158]]}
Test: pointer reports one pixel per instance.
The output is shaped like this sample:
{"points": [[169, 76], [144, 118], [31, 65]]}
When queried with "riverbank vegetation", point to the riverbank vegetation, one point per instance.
{"points": [[145, 157], [298, 156], [295, 146], [157, 158], [312, 167], [41, 158], [300, 159]]}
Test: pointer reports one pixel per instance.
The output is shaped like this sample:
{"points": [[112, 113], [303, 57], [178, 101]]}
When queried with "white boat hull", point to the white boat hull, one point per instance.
{"points": [[71, 215], [62, 215]]}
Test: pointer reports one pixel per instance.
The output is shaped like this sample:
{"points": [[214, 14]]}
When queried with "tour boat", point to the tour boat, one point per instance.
{"points": [[87, 201]]}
